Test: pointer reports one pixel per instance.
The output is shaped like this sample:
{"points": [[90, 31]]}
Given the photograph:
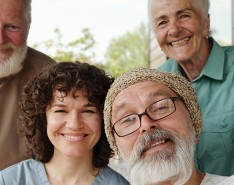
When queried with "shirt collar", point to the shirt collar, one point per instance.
{"points": [[215, 64]]}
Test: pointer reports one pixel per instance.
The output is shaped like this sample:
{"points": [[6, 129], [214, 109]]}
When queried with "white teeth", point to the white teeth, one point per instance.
{"points": [[180, 42], [156, 144], [73, 138]]}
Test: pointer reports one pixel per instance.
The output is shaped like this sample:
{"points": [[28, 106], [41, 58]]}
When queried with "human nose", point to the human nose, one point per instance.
{"points": [[74, 122], [147, 123], [174, 29]]}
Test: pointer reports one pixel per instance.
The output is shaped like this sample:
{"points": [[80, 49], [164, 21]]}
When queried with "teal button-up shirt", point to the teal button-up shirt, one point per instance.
{"points": [[215, 90]]}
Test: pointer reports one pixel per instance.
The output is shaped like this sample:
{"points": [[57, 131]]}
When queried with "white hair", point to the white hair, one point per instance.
{"points": [[170, 165], [13, 64], [27, 10], [203, 5]]}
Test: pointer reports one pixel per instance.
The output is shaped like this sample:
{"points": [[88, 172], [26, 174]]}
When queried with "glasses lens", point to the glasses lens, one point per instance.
{"points": [[161, 109], [127, 125], [156, 111]]}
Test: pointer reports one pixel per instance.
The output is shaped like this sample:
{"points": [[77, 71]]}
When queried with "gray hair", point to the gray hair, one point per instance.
{"points": [[203, 5], [27, 10]]}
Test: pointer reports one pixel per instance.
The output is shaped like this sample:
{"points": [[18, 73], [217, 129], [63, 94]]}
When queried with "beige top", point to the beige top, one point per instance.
{"points": [[12, 147]]}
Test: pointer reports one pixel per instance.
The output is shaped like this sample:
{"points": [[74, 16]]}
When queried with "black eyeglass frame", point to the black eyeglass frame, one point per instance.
{"points": [[145, 113]]}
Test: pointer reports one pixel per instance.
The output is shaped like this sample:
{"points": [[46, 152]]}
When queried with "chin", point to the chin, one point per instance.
{"points": [[181, 57], [173, 163], [13, 64]]}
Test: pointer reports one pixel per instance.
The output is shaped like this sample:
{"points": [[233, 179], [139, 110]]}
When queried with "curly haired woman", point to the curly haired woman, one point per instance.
{"points": [[61, 119]]}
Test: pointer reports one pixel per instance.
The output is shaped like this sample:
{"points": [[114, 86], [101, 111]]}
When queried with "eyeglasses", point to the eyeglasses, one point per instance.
{"points": [[156, 111]]}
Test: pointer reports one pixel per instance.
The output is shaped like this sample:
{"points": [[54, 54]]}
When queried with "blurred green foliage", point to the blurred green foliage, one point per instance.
{"points": [[80, 49], [125, 52]]}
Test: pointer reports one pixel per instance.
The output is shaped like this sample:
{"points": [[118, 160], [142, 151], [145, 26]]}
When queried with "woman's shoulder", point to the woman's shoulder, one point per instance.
{"points": [[28, 171], [21, 166], [108, 176]]}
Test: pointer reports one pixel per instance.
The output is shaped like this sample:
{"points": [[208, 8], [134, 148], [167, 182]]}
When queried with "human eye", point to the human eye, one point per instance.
{"points": [[159, 107], [12, 28], [89, 111], [59, 111], [129, 120], [183, 16], [161, 23]]}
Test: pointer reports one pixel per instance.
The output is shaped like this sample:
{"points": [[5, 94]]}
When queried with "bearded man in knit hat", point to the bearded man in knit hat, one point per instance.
{"points": [[153, 121]]}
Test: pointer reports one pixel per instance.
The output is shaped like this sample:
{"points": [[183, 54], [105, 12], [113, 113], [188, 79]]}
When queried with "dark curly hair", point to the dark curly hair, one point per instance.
{"points": [[37, 95]]}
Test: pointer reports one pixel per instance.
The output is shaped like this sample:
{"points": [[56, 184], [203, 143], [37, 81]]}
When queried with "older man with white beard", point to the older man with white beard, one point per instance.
{"points": [[153, 121], [18, 64]]}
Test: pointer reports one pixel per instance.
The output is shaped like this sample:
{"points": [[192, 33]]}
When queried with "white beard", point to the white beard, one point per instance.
{"points": [[13, 64], [174, 165]]}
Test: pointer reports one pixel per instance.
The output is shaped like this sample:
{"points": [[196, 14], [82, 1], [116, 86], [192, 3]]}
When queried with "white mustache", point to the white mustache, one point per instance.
{"points": [[172, 163], [7, 46], [145, 140]]}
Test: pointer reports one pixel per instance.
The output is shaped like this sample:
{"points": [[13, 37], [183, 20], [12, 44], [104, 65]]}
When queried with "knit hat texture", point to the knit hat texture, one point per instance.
{"points": [[175, 82]]}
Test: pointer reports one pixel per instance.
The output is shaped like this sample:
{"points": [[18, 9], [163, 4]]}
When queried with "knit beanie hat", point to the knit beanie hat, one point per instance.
{"points": [[177, 83]]}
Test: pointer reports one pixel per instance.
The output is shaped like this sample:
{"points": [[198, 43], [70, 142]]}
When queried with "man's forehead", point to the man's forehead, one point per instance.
{"points": [[146, 89], [151, 88]]}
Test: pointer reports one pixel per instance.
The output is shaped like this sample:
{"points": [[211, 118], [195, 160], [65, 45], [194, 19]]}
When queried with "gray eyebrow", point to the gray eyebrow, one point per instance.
{"points": [[155, 93], [177, 13]]}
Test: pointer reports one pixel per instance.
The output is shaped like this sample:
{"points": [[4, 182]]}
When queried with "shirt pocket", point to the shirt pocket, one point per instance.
{"points": [[217, 137]]}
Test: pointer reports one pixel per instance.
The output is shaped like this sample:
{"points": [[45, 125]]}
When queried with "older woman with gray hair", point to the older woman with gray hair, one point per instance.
{"points": [[182, 30]]}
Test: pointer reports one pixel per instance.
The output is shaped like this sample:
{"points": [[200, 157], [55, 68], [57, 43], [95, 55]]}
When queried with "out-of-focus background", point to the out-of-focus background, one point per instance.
{"points": [[112, 34]]}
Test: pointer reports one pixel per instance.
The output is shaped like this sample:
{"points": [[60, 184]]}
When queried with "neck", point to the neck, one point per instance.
{"points": [[69, 170], [194, 66], [195, 179], [3, 81]]}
